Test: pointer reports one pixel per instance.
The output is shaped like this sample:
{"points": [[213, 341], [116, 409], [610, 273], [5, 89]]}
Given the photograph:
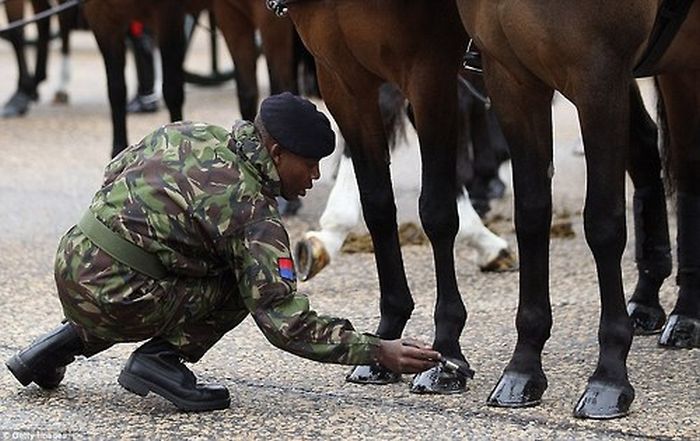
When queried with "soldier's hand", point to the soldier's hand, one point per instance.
{"points": [[407, 356]]}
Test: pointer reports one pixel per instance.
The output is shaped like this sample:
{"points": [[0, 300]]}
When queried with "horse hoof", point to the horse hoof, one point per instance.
{"points": [[311, 257], [439, 380], [646, 320], [516, 389], [681, 332], [372, 374], [504, 262], [604, 401], [60, 97], [17, 105]]}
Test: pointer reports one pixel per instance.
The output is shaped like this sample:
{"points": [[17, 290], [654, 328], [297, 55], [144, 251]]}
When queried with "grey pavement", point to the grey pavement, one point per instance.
{"points": [[50, 164]]}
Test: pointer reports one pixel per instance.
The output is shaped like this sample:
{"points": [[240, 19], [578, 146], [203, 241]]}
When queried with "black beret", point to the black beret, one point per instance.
{"points": [[297, 125]]}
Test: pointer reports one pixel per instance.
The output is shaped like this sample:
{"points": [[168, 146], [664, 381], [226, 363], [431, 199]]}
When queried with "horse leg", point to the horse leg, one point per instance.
{"points": [[171, 41], [524, 108], [42, 45], [652, 244], [67, 21], [604, 109], [239, 34], [343, 210], [18, 104], [278, 46], [681, 95], [435, 110], [360, 122], [110, 40]]}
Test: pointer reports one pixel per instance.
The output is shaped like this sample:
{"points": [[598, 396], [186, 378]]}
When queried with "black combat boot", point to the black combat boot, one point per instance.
{"points": [[157, 367], [44, 361]]}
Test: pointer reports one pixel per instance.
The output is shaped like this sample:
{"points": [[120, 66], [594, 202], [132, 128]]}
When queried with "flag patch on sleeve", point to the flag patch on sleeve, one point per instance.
{"points": [[285, 266]]}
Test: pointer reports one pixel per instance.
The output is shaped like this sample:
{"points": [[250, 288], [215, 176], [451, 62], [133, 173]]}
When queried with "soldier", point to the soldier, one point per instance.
{"points": [[182, 242]]}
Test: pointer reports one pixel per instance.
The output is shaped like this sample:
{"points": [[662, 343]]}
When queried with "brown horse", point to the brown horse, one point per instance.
{"points": [[588, 51], [238, 21], [358, 46]]}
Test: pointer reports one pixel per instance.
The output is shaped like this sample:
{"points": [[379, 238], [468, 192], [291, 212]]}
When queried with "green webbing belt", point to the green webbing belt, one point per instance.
{"points": [[119, 248]]}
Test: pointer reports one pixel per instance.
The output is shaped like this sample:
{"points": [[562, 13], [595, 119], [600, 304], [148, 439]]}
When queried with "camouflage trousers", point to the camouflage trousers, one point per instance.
{"points": [[109, 302]]}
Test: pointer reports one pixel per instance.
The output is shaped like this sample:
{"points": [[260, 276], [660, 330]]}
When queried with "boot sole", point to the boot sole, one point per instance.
{"points": [[140, 387], [20, 370]]}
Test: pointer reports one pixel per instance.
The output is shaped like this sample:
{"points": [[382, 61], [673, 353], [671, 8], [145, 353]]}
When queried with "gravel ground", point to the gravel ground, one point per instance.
{"points": [[51, 164]]}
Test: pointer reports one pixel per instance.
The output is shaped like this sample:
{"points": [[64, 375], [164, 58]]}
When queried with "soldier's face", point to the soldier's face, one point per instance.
{"points": [[297, 173]]}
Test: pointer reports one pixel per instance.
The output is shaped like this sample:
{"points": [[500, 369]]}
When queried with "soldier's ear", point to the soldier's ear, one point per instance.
{"points": [[275, 152]]}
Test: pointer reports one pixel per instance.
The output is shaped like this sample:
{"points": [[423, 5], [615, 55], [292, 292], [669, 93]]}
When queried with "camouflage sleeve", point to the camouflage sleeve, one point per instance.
{"points": [[267, 283]]}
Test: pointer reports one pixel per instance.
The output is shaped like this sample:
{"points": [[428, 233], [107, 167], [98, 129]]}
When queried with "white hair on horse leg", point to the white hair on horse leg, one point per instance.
{"points": [[343, 209], [487, 245]]}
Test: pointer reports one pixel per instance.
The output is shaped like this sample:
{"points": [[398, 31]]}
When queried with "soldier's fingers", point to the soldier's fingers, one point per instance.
{"points": [[421, 353], [413, 365], [416, 343]]}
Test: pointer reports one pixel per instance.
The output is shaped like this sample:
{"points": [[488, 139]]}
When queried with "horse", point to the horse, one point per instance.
{"points": [[237, 20], [28, 83], [588, 51], [358, 46], [480, 143]]}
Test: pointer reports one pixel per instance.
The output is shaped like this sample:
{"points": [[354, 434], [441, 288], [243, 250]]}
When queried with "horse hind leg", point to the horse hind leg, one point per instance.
{"points": [[652, 244], [681, 95]]}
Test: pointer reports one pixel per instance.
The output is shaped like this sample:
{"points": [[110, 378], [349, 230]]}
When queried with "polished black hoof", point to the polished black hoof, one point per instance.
{"points": [[17, 105], [439, 380], [372, 374], [681, 332], [516, 389], [646, 320], [604, 401]]}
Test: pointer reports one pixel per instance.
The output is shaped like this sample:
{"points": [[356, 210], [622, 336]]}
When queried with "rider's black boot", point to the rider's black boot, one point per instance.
{"points": [[156, 367], [44, 361]]}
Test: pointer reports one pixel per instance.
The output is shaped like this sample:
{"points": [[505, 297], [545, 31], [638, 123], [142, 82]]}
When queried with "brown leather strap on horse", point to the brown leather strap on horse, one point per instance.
{"points": [[671, 16]]}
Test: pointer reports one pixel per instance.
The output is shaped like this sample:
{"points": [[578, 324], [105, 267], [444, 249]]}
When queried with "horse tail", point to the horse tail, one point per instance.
{"points": [[664, 140], [392, 106]]}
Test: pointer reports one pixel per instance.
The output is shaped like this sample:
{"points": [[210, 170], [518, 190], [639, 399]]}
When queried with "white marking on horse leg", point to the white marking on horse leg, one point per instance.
{"points": [[343, 209], [472, 230]]}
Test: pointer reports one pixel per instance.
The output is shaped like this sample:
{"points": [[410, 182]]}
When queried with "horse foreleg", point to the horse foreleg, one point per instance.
{"points": [[435, 109], [171, 41], [42, 45], [239, 34], [525, 111], [67, 20], [604, 109], [360, 122], [18, 104], [681, 94], [652, 244], [111, 44]]}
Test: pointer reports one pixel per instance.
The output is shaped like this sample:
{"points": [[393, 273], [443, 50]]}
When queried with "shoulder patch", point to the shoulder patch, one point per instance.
{"points": [[285, 266]]}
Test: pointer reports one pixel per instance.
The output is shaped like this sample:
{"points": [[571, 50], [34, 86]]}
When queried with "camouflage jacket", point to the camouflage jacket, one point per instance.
{"points": [[203, 201]]}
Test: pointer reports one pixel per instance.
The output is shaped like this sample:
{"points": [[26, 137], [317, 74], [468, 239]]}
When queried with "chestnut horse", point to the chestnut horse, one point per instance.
{"points": [[238, 21], [588, 51], [417, 46]]}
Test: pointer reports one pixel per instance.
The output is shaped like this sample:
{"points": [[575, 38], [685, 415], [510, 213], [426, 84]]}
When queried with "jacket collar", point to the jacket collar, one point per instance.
{"points": [[246, 143]]}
